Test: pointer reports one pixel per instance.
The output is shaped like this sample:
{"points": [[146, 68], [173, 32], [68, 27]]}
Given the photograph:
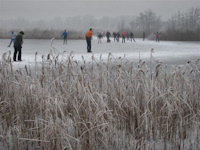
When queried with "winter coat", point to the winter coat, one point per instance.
{"points": [[99, 35], [123, 34], [64, 34], [89, 34], [18, 41], [114, 34], [157, 35], [131, 35], [108, 34]]}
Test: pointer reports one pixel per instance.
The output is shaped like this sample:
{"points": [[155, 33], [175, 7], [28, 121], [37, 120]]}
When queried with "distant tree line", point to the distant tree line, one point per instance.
{"points": [[37, 33], [181, 26]]}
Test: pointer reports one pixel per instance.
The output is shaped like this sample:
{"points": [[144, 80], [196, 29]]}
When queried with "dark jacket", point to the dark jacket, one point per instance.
{"points": [[18, 41], [108, 34], [131, 35]]}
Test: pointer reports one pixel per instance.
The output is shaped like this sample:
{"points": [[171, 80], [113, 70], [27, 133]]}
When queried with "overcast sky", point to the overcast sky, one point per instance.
{"points": [[48, 9]]}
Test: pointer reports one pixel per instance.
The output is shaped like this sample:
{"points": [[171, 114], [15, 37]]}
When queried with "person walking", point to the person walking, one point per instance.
{"points": [[88, 37], [13, 36], [18, 46], [132, 36], [64, 34]]}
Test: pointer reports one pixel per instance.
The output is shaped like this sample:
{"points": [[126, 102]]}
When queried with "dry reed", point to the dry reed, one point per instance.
{"points": [[67, 104]]}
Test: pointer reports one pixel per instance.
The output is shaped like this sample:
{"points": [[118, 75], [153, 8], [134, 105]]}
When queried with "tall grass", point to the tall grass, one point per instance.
{"points": [[99, 104]]}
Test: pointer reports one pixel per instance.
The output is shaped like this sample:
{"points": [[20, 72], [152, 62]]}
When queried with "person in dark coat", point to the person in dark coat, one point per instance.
{"points": [[114, 35], [132, 36], [118, 36], [108, 36], [18, 46], [143, 36]]}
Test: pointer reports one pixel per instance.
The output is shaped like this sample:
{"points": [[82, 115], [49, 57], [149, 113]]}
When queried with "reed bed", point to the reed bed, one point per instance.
{"points": [[98, 104]]}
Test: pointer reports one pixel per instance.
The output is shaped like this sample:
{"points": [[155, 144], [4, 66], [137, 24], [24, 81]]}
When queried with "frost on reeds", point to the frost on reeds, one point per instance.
{"points": [[99, 104]]}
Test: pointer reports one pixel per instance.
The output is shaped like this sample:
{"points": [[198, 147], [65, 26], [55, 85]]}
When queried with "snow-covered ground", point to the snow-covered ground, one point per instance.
{"points": [[169, 52]]}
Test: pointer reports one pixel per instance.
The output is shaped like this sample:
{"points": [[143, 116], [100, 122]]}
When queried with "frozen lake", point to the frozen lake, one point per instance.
{"points": [[169, 52]]}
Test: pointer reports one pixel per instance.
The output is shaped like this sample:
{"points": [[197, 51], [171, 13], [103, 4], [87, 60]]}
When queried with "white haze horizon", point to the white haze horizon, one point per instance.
{"points": [[34, 10]]}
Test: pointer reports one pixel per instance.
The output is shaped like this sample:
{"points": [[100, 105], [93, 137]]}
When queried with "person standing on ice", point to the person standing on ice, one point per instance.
{"points": [[18, 46], [108, 36], [88, 37], [127, 36], [13, 36], [132, 36], [64, 34], [118, 36], [123, 37], [143, 35], [114, 35], [158, 37], [99, 36]]}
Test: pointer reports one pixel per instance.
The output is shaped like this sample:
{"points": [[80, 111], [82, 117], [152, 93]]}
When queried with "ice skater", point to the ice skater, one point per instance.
{"points": [[158, 36], [115, 36], [123, 37], [143, 36], [132, 36], [64, 34], [13, 37], [18, 46], [99, 36], [118, 36], [108, 36], [127, 36], [88, 37]]}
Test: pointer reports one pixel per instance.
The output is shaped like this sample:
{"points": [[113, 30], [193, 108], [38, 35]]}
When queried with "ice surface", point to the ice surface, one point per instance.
{"points": [[169, 52]]}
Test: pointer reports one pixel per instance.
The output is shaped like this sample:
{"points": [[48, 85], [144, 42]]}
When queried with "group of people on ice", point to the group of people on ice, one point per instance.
{"points": [[123, 35], [116, 36], [18, 39]]}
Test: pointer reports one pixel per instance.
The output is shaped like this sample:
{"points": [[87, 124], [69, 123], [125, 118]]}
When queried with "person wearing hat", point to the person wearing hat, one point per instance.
{"points": [[18, 46], [88, 37]]}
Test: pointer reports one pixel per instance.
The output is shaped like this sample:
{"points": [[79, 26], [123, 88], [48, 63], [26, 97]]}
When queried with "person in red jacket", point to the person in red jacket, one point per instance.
{"points": [[123, 37], [88, 37], [158, 37]]}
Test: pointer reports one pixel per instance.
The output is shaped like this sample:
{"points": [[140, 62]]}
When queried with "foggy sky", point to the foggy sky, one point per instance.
{"points": [[48, 9]]}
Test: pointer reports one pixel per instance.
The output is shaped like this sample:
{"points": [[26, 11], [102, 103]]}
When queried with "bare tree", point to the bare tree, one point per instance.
{"points": [[149, 22]]}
